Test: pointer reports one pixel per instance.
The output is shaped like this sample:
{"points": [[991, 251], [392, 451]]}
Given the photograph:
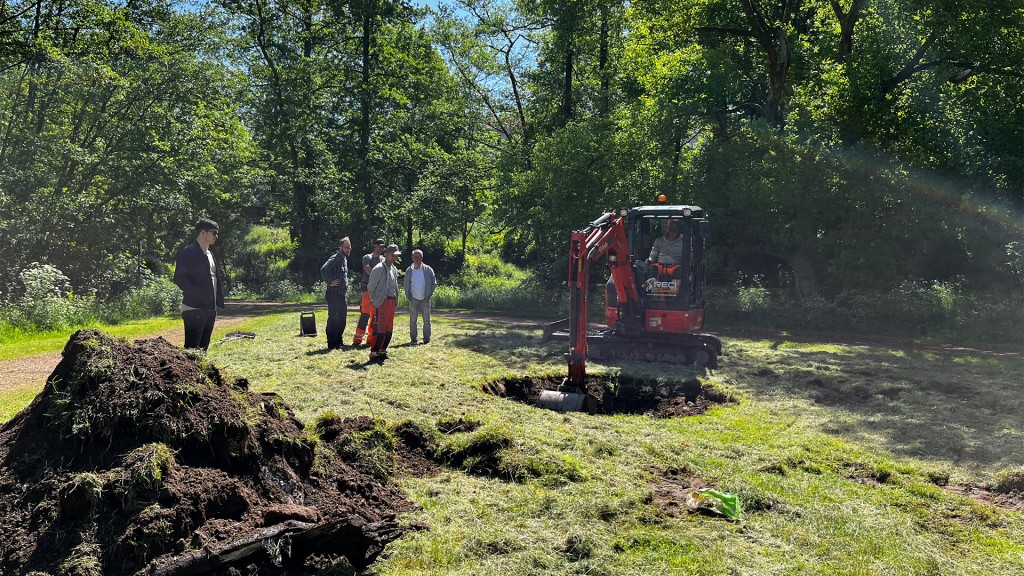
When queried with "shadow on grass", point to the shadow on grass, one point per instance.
{"points": [[961, 407], [964, 408], [515, 346]]}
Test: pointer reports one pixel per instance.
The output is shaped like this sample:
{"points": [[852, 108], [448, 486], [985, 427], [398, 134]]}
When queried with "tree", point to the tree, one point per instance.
{"points": [[117, 131]]}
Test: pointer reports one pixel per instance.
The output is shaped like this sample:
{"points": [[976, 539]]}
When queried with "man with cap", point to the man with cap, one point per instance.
{"points": [[365, 306], [383, 288]]}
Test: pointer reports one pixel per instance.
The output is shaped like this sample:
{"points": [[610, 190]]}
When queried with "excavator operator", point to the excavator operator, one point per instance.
{"points": [[668, 249]]}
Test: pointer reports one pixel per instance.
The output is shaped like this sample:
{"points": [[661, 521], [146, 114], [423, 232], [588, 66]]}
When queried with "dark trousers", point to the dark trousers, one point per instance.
{"points": [[198, 327], [337, 318]]}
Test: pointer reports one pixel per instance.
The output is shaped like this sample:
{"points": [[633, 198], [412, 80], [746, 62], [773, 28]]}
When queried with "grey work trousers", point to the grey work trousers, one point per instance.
{"points": [[417, 307]]}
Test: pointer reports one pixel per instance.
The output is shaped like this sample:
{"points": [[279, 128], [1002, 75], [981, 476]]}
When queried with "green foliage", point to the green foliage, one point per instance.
{"points": [[47, 302], [155, 297], [916, 309], [263, 256], [485, 282], [120, 128]]}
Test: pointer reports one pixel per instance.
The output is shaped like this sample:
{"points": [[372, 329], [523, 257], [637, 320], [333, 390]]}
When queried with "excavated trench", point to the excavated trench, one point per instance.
{"points": [[138, 458], [621, 394]]}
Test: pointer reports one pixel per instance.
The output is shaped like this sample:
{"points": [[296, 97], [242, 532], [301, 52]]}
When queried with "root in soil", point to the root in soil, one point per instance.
{"points": [[621, 395], [140, 458]]}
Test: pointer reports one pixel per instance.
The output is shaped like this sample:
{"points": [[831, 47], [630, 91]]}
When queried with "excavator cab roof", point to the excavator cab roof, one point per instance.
{"points": [[663, 211]]}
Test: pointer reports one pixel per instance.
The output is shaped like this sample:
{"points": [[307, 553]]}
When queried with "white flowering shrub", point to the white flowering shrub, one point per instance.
{"points": [[48, 302]]}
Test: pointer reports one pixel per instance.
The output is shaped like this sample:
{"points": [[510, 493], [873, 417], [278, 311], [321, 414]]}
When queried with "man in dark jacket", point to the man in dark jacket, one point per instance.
{"points": [[335, 273], [197, 274]]}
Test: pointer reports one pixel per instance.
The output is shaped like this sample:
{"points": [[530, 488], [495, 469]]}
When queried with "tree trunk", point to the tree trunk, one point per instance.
{"points": [[602, 65], [775, 43], [365, 178], [847, 22], [567, 103], [803, 275], [408, 234]]}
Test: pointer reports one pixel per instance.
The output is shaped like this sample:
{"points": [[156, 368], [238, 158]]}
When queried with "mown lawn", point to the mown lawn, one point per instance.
{"points": [[846, 459], [15, 343]]}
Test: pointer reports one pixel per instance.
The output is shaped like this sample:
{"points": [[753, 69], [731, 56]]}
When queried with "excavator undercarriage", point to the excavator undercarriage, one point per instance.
{"points": [[701, 350]]}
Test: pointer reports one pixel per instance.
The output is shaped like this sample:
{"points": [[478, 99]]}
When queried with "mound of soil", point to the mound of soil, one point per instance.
{"points": [[139, 459], [622, 395]]}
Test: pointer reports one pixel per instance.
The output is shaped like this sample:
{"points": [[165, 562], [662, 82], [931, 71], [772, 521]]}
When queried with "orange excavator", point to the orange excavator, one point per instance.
{"points": [[654, 298]]}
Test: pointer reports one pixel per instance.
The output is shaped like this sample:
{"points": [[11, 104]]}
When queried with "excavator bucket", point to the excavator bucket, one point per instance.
{"points": [[569, 397], [562, 401]]}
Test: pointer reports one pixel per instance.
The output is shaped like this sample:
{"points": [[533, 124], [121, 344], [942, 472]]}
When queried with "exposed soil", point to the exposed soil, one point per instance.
{"points": [[671, 492], [139, 459], [621, 395], [1006, 500], [456, 426]]}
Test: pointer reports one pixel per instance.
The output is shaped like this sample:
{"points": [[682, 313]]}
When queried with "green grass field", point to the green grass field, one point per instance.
{"points": [[846, 459], [15, 343]]}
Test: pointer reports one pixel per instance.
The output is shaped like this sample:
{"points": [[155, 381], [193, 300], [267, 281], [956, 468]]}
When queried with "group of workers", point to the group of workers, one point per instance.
{"points": [[379, 298], [201, 282]]}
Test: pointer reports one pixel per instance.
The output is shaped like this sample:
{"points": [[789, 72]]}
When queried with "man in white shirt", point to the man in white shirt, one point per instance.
{"points": [[419, 287], [668, 249]]}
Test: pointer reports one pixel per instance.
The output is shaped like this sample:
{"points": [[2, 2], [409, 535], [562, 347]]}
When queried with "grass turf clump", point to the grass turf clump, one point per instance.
{"points": [[1010, 480]]}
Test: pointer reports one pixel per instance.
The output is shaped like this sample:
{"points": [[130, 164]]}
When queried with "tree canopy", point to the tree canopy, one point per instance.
{"points": [[837, 144]]}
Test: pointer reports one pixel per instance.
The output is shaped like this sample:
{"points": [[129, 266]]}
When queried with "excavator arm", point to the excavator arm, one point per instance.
{"points": [[604, 237]]}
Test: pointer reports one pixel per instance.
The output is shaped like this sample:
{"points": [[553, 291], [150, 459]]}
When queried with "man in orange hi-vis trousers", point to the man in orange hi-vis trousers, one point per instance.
{"points": [[383, 287], [363, 329]]}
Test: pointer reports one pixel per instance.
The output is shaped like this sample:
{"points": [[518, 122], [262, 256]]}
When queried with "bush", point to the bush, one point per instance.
{"points": [[48, 302], [282, 290], [264, 258], [156, 297]]}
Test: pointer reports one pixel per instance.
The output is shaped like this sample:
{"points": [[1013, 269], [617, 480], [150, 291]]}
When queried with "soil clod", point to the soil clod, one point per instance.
{"points": [[138, 458]]}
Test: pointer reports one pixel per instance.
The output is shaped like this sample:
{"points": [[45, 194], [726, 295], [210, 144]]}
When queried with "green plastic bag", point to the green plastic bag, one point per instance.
{"points": [[725, 503]]}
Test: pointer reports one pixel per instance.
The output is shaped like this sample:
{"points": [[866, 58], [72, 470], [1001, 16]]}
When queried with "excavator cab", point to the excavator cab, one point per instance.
{"points": [[671, 289]]}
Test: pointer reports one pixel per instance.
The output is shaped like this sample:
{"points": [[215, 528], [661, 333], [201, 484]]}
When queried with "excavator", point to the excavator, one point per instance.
{"points": [[654, 298]]}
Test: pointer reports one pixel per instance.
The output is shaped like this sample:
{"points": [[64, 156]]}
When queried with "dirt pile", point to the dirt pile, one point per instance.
{"points": [[139, 459]]}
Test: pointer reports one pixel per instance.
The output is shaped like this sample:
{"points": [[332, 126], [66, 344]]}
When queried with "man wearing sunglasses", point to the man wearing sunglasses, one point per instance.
{"points": [[197, 274]]}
